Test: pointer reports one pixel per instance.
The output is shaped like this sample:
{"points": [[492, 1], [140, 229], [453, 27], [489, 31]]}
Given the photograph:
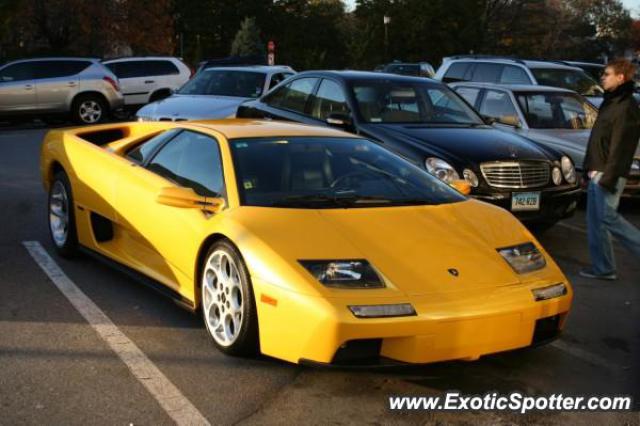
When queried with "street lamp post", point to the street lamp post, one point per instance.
{"points": [[386, 19]]}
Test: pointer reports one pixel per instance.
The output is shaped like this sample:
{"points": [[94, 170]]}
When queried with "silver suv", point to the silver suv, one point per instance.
{"points": [[81, 87], [500, 70]]}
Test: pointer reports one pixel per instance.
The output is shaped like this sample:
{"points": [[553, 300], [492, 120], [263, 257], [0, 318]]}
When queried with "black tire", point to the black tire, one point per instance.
{"points": [[81, 114], [67, 247], [159, 95], [246, 343]]}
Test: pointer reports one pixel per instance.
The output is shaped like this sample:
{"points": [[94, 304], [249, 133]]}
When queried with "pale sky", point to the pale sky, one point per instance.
{"points": [[632, 5]]}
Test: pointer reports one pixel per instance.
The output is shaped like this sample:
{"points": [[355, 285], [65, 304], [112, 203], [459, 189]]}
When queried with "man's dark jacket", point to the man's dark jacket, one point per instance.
{"points": [[614, 137]]}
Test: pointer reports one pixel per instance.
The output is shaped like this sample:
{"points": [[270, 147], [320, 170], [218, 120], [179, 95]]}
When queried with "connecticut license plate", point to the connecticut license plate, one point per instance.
{"points": [[525, 201]]}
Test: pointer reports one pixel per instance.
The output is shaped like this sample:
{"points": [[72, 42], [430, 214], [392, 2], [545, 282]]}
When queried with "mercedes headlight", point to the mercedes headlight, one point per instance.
{"points": [[556, 176], [568, 170], [348, 274], [441, 169], [523, 258]]}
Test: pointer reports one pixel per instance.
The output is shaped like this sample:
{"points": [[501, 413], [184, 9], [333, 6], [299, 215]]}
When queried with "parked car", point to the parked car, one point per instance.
{"points": [[419, 69], [592, 68], [429, 124], [215, 93], [148, 79], [80, 87], [490, 69], [302, 243], [555, 117]]}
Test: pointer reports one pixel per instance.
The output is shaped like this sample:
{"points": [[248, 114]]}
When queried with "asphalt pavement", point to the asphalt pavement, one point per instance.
{"points": [[55, 368]]}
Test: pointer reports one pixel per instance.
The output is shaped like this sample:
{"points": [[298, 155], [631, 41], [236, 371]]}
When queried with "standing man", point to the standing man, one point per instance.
{"points": [[612, 145]]}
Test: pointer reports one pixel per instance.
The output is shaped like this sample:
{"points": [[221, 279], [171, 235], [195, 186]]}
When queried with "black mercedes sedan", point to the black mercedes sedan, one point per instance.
{"points": [[430, 125]]}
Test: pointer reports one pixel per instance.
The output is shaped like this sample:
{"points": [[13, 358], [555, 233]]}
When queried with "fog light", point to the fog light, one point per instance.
{"points": [[381, 311], [550, 292]]}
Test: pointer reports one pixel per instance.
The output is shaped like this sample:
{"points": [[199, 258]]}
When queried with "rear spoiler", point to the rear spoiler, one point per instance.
{"points": [[107, 133]]}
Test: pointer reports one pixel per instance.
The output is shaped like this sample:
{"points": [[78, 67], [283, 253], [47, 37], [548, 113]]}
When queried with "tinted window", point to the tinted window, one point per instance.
{"points": [[308, 172], [557, 111], [470, 94], [514, 75], [498, 105], [161, 68], [145, 150], [55, 69], [382, 101], [191, 160], [293, 96], [330, 99], [456, 72], [576, 80], [278, 78], [242, 84], [18, 72], [489, 73]]}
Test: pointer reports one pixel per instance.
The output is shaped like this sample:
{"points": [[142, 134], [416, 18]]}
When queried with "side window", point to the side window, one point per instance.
{"points": [[18, 72], [143, 152], [470, 94], [191, 160], [277, 79], [456, 72], [329, 99], [293, 96], [514, 75], [130, 69], [488, 73], [152, 68], [57, 69], [498, 105]]}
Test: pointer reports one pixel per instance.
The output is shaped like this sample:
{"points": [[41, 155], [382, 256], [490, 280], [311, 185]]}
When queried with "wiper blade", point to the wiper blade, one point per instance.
{"points": [[337, 200]]}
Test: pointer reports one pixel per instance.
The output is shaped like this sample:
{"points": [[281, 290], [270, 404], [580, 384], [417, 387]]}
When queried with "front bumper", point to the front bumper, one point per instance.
{"points": [[555, 203], [466, 326]]}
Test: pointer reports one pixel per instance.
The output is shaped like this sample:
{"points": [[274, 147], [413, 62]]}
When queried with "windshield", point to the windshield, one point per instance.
{"points": [[557, 110], [319, 172], [242, 84], [576, 80], [408, 102]]}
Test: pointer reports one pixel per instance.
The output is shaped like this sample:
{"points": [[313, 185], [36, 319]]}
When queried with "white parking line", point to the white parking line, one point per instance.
{"points": [[584, 355], [176, 405]]}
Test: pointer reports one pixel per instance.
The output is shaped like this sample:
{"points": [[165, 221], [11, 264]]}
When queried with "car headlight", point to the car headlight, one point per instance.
{"points": [[354, 273], [523, 258], [568, 170], [549, 292], [556, 176], [470, 177], [441, 169]]}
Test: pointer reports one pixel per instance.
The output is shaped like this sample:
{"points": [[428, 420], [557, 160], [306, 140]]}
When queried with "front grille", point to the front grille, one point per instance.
{"points": [[516, 174]]}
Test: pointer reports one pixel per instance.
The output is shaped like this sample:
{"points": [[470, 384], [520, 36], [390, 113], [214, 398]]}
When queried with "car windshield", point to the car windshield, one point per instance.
{"points": [[556, 110], [576, 80], [242, 84], [321, 172], [389, 101]]}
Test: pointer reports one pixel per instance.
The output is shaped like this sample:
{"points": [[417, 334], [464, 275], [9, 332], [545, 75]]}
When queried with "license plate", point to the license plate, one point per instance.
{"points": [[525, 201]]}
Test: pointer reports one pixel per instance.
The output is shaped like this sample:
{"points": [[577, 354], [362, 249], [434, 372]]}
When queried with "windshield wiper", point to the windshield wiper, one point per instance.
{"points": [[336, 200]]}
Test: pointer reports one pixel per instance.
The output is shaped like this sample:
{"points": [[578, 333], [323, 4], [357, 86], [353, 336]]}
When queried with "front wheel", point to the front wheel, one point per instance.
{"points": [[89, 109], [62, 223], [228, 304]]}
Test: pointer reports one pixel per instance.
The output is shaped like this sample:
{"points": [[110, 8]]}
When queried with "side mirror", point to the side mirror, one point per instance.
{"points": [[509, 120], [462, 186], [340, 119], [186, 198]]}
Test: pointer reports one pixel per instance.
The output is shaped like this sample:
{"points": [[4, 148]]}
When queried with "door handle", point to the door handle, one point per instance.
{"points": [[72, 84], [149, 82], [28, 87]]}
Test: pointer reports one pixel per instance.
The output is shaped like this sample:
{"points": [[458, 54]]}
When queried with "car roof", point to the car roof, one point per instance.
{"points": [[529, 63], [250, 128], [139, 58], [346, 75], [512, 87], [57, 58], [265, 68], [585, 64]]}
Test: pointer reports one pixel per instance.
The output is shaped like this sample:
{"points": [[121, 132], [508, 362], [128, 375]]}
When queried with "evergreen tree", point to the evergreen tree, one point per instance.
{"points": [[247, 41]]}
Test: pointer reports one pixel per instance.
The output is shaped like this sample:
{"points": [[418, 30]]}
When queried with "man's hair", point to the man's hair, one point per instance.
{"points": [[624, 67]]}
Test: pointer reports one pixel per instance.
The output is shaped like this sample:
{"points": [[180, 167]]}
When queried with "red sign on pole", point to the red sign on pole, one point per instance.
{"points": [[271, 46], [271, 49]]}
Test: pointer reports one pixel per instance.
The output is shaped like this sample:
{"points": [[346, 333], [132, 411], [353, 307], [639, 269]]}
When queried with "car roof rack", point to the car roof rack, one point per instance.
{"points": [[475, 56]]}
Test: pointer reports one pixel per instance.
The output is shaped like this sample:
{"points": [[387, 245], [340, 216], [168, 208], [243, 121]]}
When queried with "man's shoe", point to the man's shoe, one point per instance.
{"points": [[588, 273]]}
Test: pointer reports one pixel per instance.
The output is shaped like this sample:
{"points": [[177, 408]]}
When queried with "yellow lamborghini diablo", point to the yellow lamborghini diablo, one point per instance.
{"points": [[303, 243]]}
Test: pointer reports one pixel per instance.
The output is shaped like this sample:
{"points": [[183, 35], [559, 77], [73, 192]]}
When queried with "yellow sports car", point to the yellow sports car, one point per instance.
{"points": [[303, 243]]}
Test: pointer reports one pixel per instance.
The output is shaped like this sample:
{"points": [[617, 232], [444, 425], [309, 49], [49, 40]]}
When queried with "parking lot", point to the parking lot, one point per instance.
{"points": [[57, 370]]}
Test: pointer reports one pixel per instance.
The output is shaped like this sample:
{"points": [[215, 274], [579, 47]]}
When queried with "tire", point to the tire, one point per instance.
{"points": [[61, 216], [227, 301], [89, 109]]}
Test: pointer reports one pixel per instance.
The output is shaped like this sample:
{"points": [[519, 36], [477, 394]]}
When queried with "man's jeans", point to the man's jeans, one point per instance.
{"points": [[603, 221]]}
